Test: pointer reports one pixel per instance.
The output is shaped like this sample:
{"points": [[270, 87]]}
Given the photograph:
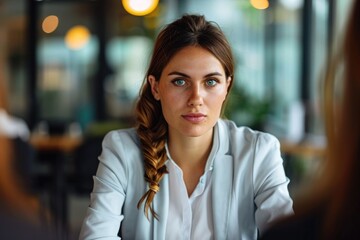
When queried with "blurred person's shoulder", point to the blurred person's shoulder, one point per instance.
{"points": [[13, 127], [14, 226], [305, 225]]}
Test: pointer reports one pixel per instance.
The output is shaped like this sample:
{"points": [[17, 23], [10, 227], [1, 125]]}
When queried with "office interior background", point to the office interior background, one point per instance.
{"points": [[74, 67]]}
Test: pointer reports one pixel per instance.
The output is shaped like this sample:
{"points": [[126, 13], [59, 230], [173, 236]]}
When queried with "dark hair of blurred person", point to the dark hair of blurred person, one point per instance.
{"points": [[20, 212], [332, 209]]}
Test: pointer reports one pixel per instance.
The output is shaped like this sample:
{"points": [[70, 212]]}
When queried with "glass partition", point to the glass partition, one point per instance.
{"points": [[66, 61]]}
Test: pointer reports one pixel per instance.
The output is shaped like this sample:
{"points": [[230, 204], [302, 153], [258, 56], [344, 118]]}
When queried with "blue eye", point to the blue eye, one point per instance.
{"points": [[179, 82], [211, 82]]}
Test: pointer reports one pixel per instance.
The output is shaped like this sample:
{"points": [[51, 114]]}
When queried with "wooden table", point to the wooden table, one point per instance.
{"points": [[305, 149], [62, 143]]}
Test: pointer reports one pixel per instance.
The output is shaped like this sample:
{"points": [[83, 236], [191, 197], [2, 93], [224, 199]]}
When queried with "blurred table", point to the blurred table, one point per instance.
{"points": [[57, 148], [303, 148], [62, 143]]}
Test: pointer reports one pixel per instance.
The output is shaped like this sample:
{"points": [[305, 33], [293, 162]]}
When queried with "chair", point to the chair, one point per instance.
{"points": [[24, 160], [85, 164]]}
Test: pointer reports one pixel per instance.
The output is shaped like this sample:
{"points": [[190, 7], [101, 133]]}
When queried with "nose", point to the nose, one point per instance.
{"points": [[195, 97]]}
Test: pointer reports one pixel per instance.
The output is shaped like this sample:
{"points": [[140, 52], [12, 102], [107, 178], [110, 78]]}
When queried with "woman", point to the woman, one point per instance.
{"points": [[332, 210], [204, 177]]}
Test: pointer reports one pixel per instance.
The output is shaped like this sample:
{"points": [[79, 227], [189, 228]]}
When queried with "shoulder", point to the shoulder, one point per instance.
{"points": [[121, 138], [245, 134], [122, 145], [12, 126], [15, 226], [121, 155], [256, 149], [303, 226]]}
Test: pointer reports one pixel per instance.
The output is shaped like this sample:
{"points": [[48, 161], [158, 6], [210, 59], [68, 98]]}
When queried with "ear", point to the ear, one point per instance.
{"points": [[228, 81], [154, 87]]}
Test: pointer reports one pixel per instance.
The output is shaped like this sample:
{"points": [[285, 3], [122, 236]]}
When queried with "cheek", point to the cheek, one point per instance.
{"points": [[214, 105], [218, 99], [171, 96], [170, 101]]}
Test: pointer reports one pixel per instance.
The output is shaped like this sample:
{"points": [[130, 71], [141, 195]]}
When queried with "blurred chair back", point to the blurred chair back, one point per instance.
{"points": [[24, 162], [85, 164]]}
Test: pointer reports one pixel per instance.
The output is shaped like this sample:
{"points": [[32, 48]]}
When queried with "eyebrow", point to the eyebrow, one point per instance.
{"points": [[187, 76]]}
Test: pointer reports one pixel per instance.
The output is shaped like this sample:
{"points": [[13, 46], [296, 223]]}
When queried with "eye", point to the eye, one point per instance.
{"points": [[211, 82], [179, 82]]}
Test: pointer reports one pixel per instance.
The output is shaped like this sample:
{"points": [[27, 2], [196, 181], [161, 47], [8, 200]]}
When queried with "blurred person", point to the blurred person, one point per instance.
{"points": [[331, 209], [11, 126], [184, 172], [20, 212], [17, 131]]}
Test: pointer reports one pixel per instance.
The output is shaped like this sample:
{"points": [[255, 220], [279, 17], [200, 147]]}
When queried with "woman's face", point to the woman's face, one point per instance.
{"points": [[191, 89]]}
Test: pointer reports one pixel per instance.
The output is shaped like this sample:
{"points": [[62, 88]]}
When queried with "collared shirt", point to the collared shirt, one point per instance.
{"points": [[190, 217], [248, 190]]}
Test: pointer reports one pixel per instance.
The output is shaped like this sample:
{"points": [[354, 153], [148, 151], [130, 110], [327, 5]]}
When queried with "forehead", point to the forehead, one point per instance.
{"points": [[194, 58]]}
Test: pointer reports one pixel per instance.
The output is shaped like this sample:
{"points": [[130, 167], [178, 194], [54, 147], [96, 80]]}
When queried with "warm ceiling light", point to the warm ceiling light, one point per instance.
{"points": [[50, 24], [140, 7], [77, 37], [260, 4]]}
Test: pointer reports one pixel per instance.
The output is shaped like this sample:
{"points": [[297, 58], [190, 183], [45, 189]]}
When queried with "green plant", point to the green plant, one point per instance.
{"points": [[245, 109]]}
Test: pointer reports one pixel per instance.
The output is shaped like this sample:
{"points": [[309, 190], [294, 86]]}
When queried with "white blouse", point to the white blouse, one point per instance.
{"points": [[190, 217], [244, 190]]}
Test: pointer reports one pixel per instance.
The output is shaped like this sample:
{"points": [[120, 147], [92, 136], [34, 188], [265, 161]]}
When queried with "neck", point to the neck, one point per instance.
{"points": [[190, 151], [190, 154]]}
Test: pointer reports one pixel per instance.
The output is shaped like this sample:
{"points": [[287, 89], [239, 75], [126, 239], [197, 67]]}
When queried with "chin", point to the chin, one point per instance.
{"points": [[196, 131]]}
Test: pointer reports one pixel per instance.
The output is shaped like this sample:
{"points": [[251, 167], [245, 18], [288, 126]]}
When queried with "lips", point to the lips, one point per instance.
{"points": [[194, 117]]}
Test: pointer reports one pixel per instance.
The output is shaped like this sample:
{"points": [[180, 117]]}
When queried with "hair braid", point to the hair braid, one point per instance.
{"points": [[152, 131]]}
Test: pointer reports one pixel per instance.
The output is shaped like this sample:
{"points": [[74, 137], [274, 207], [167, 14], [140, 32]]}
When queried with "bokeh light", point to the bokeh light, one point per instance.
{"points": [[140, 7], [260, 4], [50, 23], [77, 37]]}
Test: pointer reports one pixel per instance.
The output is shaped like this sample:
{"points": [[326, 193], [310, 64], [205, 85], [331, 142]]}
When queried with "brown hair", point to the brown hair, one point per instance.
{"points": [[13, 197], [343, 133], [189, 30], [336, 192]]}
